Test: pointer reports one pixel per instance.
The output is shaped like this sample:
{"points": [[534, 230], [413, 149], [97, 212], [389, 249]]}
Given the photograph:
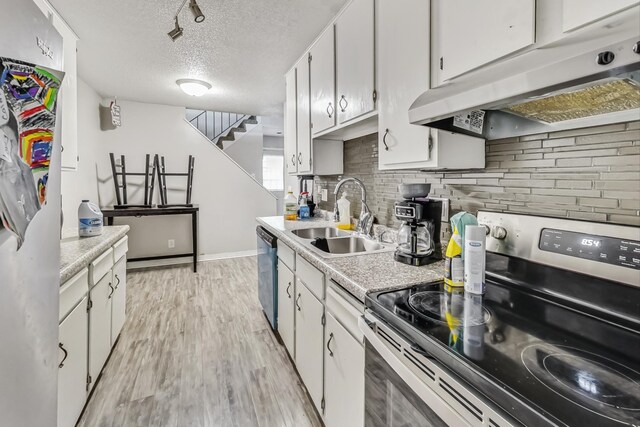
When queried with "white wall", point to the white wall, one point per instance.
{"points": [[229, 199], [247, 151]]}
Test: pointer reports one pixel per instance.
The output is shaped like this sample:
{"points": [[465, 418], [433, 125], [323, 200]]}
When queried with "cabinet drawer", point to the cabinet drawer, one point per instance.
{"points": [[120, 249], [72, 292], [287, 255], [346, 309], [100, 266], [311, 277]]}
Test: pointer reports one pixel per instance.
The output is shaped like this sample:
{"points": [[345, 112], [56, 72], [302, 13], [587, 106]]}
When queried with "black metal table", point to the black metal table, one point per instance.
{"points": [[138, 212]]}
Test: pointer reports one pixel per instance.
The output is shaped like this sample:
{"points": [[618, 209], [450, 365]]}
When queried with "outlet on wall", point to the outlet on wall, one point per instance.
{"points": [[171, 243], [325, 195]]}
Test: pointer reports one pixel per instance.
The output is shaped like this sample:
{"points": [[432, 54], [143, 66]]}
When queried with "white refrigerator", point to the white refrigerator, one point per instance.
{"points": [[29, 237]]}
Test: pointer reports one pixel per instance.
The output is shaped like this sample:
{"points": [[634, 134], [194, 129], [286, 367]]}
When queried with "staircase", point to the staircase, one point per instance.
{"points": [[220, 128]]}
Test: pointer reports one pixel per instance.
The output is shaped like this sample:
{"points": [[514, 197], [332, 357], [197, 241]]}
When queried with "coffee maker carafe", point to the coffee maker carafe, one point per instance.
{"points": [[419, 233]]}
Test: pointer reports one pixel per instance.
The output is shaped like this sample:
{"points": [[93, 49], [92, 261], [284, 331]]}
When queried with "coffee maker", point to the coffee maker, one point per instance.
{"points": [[419, 234]]}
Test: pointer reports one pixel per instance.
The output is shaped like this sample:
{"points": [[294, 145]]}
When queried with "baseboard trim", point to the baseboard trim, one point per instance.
{"points": [[134, 265]]}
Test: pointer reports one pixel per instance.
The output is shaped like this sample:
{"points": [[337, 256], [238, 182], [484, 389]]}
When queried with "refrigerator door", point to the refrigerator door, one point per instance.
{"points": [[30, 277]]}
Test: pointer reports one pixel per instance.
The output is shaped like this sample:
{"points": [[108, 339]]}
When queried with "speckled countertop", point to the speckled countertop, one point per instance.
{"points": [[358, 274], [77, 252]]}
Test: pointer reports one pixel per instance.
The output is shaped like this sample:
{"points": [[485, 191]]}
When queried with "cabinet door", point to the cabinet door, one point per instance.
{"points": [[119, 298], [304, 115], [471, 34], [286, 296], [100, 325], [309, 341], [355, 60], [343, 377], [323, 110], [577, 13], [403, 64], [72, 372], [291, 126]]}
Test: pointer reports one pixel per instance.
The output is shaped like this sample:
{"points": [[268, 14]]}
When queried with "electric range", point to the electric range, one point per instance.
{"points": [[545, 345]]}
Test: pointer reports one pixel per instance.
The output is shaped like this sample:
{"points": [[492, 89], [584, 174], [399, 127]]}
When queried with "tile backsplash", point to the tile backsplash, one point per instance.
{"points": [[591, 174]]}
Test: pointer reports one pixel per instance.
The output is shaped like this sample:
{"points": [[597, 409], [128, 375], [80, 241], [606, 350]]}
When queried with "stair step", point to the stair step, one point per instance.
{"points": [[220, 145], [238, 129], [250, 121], [227, 138]]}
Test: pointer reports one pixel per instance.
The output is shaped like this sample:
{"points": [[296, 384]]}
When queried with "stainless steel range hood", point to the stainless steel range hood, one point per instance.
{"points": [[600, 86]]}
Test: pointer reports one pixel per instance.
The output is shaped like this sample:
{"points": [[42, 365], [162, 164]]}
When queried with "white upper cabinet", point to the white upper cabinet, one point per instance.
{"points": [[470, 34], [402, 65], [323, 104], [290, 123], [577, 13], [303, 115], [355, 61]]}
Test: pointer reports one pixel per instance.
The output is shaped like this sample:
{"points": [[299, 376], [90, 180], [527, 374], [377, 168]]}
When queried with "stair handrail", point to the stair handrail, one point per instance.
{"points": [[194, 122]]}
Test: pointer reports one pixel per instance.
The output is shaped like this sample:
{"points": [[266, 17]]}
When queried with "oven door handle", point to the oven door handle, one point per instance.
{"points": [[435, 402]]}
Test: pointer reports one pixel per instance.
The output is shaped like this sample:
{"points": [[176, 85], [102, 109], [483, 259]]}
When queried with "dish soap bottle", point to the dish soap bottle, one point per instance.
{"points": [[290, 206], [344, 211], [304, 207]]}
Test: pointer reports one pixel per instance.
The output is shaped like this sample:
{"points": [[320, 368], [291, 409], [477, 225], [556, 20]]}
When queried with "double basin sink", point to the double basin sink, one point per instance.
{"points": [[332, 242]]}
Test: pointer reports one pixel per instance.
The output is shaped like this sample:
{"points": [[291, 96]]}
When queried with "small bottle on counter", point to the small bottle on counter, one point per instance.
{"points": [[290, 206], [304, 207], [474, 259]]}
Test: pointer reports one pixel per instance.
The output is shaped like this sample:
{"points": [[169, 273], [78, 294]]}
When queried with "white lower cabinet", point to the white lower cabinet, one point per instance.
{"points": [[343, 377], [100, 297], [286, 313], [308, 341], [72, 372], [119, 298]]}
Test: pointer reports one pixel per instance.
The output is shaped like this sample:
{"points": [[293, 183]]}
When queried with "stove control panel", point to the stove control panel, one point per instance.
{"points": [[622, 252]]}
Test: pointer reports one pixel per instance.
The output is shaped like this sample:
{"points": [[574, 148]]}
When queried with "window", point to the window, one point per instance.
{"points": [[273, 172]]}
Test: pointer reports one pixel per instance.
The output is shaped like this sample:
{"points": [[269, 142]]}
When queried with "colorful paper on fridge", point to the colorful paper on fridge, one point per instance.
{"points": [[28, 95]]}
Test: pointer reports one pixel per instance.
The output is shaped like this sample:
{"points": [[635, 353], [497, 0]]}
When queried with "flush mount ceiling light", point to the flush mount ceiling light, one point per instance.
{"points": [[193, 87], [176, 33]]}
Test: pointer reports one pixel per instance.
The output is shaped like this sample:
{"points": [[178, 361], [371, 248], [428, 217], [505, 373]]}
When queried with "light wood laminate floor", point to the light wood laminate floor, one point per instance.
{"points": [[196, 350]]}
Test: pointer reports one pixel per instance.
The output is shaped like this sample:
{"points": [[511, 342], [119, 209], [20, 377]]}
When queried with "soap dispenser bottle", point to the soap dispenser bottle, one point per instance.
{"points": [[344, 212]]}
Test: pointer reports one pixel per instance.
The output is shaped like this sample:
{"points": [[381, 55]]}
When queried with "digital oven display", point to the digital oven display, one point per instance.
{"points": [[610, 250]]}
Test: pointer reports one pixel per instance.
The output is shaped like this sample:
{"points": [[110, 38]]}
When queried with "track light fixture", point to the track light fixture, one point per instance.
{"points": [[176, 33], [197, 13]]}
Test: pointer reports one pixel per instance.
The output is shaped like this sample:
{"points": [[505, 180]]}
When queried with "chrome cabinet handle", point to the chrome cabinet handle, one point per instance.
{"points": [[112, 289], [328, 343], [342, 98], [300, 158], [293, 159], [66, 353], [298, 299], [287, 290], [384, 140], [330, 110], [118, 279]]}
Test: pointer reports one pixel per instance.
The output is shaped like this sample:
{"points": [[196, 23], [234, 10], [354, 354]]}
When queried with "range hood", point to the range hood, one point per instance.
{"points": [[599, 86]]}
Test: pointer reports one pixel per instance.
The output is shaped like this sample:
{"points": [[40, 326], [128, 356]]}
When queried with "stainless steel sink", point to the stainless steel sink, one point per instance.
{"points": [[347, 245], [320, 232]]}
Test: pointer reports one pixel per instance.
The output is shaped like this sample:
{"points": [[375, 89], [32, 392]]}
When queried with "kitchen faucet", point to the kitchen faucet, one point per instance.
{"points": [[365, 222]]}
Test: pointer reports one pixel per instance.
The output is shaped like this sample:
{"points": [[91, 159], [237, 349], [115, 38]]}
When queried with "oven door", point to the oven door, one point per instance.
{"points": [[395, 394]]}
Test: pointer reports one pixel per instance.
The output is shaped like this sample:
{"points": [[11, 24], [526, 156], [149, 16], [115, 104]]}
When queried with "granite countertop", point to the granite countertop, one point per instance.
{"points": [[77, 252], [358, 274]]}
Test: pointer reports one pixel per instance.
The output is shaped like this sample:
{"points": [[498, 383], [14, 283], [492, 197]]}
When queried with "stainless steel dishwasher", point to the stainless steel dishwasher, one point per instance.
{"points": [[268, 274]]}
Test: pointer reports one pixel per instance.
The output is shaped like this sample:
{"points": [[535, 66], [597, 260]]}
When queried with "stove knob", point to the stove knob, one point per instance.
{"points": [[487, 229], [498, 232]]}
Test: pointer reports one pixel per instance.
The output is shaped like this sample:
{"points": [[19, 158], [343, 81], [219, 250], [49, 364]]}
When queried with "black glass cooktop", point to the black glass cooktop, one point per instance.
{"points": [[548, 346]]}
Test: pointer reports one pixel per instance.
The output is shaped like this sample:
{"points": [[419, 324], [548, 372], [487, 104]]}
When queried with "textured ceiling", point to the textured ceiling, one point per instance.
{"points": [[243, 48]]}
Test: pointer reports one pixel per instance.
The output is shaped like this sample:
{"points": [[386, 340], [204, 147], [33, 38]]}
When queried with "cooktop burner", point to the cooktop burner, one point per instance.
{"points": [[452, 307], [593, 382]]}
